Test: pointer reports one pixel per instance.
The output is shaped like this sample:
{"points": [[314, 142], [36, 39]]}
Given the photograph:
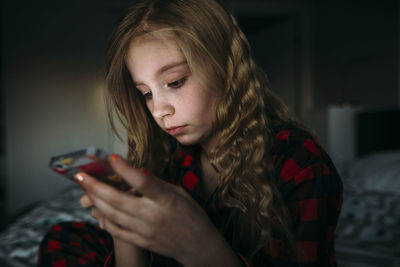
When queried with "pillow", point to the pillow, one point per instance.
{"points": [[375, 172]]}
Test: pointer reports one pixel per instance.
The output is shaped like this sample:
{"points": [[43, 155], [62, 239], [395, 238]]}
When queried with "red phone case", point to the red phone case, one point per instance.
{"points": [[92, 161]]}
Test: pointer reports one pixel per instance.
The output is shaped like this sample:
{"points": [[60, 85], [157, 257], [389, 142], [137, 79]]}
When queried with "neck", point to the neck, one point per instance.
{"points": [[210, 174], [206, 160], [208, 144]]}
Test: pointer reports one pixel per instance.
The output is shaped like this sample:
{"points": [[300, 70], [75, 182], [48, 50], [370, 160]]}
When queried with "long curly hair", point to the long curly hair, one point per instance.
{"points": [[247, 111]]}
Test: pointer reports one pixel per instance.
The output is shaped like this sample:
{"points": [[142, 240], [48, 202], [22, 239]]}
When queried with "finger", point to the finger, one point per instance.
{"points": [[85, 202], [145, 183], [115, 198], [98, 216], [123, 234], [96, 213], [101, 222], [142, 181], [103, 210]]}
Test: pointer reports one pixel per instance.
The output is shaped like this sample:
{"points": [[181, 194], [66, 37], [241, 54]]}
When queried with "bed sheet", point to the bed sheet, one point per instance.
{"points": [[19, 242], [368, 231]]}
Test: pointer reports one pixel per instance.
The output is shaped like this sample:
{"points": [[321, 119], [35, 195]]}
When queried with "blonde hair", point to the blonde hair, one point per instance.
{"points": [[209, 37]]}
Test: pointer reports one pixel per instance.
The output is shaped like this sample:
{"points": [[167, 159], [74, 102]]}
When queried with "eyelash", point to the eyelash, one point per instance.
{"points": [[148, 95], [176, 84]]}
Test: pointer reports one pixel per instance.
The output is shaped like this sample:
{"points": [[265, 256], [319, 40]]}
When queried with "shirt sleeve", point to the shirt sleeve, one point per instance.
{"points": [[312, 191]]}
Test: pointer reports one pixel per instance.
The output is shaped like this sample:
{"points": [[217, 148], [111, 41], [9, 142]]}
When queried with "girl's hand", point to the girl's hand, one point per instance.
{"points": [[125, 254], [87, 203], [159, 217]]}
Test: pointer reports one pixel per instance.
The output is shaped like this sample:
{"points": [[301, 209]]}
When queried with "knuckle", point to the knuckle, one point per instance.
{"points": [[156, 220], [142, 183]]}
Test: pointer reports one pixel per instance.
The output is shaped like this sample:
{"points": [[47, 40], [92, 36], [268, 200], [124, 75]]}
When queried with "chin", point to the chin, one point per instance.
{"points": [[187, 141]]}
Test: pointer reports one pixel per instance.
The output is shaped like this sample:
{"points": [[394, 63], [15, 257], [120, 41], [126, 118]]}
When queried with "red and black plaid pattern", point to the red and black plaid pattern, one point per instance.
{"points": [[306, 178], [310, 186], [75, 244], [313, 193]]}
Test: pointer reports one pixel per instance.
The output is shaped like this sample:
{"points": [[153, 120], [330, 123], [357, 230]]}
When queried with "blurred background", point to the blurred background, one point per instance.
{"points": [[321, 57]]}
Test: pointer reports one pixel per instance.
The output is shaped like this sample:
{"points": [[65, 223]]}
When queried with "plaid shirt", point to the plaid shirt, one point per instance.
{"points": [[310, 187]]}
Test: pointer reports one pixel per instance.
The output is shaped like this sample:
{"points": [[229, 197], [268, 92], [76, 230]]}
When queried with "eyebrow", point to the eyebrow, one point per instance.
{"points": [[165, 68]]}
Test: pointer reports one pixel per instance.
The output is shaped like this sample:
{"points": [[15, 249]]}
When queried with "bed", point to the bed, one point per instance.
{"points": [[369, 227], [20, 241], [368, 233]]}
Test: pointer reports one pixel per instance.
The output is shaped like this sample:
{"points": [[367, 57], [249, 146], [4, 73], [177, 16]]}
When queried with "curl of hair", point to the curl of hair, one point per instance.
{"points": [[245, 116]]}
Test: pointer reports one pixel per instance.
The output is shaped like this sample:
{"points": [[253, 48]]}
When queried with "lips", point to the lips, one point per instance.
{"points": [[175, 130]]}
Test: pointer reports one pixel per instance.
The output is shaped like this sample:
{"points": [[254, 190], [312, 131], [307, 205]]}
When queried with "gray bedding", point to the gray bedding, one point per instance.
{"points": [[368, 232], [20, 241]]}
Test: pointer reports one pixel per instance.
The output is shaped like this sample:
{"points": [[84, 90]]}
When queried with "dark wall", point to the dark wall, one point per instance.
{"points": [[356, 57], [53, 59], [57, 32], [2, 130]]}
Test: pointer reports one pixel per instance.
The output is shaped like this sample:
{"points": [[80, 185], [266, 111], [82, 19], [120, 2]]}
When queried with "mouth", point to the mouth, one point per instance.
{"points": [[175, 130]]}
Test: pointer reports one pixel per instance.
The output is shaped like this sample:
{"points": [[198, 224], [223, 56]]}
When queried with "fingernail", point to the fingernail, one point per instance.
{"points": [[79, 178], [112, 158]]}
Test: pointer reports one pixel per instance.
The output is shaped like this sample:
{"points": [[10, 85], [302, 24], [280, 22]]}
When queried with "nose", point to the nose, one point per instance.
{"points": [[161, 106]]}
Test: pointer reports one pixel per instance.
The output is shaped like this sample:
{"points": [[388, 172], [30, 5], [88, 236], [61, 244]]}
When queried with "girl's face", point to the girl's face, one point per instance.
{"points": [[173, 95]]}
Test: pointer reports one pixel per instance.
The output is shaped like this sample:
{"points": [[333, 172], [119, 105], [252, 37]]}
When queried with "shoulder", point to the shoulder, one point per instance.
{"points": [[311, 190], [298, 156], [296, 144]]}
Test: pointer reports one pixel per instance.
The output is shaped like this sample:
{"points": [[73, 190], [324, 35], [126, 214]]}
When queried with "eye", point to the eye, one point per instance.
{"points": [[177, 84], [148, 95]]}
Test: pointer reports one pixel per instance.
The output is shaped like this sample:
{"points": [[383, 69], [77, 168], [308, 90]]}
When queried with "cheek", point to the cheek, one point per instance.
{"points": [[203, 112], [149, 107]]}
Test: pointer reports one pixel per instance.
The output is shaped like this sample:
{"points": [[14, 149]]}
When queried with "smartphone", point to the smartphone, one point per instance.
{"points": [[90, 160]]}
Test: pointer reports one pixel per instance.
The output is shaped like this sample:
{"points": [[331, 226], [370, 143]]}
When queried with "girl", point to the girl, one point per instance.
{"points": [[221, 174]]}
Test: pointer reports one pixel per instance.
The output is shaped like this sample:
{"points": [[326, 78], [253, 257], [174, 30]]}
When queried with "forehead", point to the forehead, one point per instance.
{"points": [[152, 51], [151, 43]]}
